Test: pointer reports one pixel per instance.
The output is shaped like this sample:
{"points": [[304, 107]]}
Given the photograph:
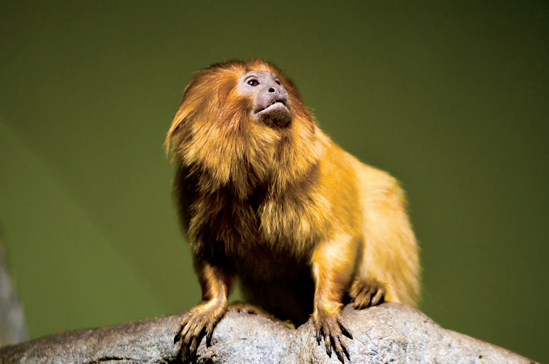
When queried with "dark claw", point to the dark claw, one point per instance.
{"points": [[328, 343], [209, 334], [318, 335], [346, 352], [328, 347], [339, 348], [177, 337], [344, 329], [340, 357], [193, 346]]}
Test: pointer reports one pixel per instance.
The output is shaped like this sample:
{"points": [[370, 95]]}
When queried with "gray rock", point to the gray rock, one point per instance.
{"points": [[13, 328], [389, 333]]}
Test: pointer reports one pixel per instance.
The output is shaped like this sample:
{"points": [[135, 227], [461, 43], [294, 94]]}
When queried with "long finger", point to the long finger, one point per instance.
{"points": [[328, 344], [209, 334], [344, 328]]}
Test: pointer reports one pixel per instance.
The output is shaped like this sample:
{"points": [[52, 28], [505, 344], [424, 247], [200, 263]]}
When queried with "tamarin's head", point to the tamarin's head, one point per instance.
{"points": [[236, 113], [270, 103]]}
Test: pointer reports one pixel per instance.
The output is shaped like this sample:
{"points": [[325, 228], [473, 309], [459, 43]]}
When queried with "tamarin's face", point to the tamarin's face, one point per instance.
{"points": [[271, 104]]}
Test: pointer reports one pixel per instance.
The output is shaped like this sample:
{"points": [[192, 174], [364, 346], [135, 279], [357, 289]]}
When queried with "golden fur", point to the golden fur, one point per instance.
{"points": [[302, 223]]}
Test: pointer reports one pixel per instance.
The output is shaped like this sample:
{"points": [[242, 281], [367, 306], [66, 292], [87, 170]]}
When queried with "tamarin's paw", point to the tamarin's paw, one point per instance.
{"points": [[332, 330], [195, 324], [191, 331], [366, 293]]}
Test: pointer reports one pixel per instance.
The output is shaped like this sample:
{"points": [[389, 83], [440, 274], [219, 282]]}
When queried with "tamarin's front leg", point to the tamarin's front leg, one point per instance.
{"points": [[332, 272], [215, 282]]}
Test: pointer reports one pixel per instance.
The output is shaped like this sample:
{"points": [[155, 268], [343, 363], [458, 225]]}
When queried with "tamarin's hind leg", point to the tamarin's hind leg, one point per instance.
{"points": [[367, 292]]}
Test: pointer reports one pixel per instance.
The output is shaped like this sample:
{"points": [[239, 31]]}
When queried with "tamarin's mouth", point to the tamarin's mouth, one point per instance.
{"points": [[276, 104], [277, 114]]}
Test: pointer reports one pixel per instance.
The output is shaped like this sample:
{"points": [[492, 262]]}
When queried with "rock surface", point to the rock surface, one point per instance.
{"points": [[13, 328], [389, 333]]}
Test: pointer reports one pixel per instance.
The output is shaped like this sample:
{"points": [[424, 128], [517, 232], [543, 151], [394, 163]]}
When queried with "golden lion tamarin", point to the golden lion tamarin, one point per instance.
{"points": [[264, 195]]}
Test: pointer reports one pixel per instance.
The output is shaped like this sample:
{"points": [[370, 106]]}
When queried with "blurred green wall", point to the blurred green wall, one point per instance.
{"points": [[451, 97]]}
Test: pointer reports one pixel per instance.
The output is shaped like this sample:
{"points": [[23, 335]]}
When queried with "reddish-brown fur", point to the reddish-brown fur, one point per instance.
{"points": [[304, 225]]}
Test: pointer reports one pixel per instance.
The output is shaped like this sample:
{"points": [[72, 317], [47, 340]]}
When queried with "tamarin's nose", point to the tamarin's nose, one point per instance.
{"points": [[272, 89]]}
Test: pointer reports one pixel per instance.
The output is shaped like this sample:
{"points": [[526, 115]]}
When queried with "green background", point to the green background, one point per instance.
{"points": [[451, 97]]}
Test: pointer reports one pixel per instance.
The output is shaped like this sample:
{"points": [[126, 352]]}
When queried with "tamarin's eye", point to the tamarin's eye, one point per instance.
{"points": [[253, 82], [278, 82]]}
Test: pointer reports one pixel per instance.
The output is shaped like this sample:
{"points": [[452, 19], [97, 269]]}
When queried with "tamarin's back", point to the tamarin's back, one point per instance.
{"points": [[391, 250]]}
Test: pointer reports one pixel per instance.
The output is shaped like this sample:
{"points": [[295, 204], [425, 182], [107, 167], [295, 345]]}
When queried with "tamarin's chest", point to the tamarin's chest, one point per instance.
{"points": [[235, 225]]}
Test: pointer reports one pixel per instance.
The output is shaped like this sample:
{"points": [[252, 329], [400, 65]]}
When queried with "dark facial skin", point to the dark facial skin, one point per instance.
{"points": [[271, 105]]}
